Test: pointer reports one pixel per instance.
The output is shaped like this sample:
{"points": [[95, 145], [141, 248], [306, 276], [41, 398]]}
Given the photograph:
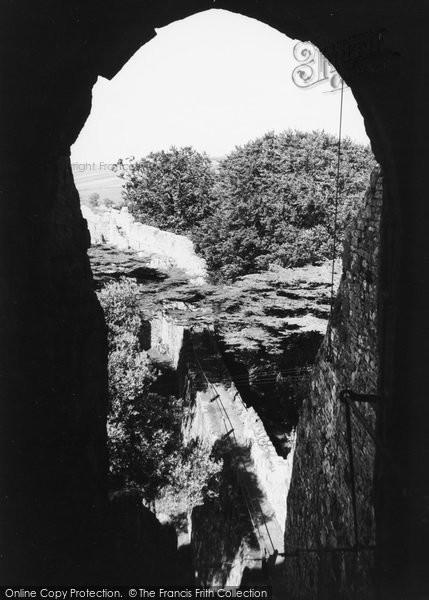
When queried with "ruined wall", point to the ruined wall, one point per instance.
{"points": [[320, 514], [166, 337], [209, 422], [273, 471], [165, 249], [233, 536]]}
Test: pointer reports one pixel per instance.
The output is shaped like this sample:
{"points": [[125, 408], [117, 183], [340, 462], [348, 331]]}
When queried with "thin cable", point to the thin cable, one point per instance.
{"points": [[243, 484], [337, 193]]}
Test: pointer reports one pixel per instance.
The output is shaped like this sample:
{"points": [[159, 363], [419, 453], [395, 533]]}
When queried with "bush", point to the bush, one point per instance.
{"points": [[270, 201], [170, 189], [93, 199], [144, 429], [120, 302], [275, 203], [108, 203], [194, 476]]}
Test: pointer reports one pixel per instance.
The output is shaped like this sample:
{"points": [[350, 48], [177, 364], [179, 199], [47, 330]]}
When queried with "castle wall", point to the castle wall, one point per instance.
{"points": [[320, 509]]}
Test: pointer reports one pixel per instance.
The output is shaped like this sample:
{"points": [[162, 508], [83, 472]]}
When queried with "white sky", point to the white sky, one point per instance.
{"points": [[213, 81]]}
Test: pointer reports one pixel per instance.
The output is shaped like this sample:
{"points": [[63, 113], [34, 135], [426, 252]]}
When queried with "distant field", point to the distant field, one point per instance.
{"points": [[98, 178], [92, 178]]}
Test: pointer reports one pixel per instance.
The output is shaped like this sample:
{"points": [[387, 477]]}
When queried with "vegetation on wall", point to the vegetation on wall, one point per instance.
{"points": [[144, 429], [271, 201]]}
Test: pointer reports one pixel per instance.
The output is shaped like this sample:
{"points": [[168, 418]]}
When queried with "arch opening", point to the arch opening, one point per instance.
{"points": [[195, 131]]}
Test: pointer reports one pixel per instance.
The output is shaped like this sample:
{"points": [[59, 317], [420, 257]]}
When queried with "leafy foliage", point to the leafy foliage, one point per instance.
{"points": [[275, 202], [93, 199], [121, 310], [108, 203], [144, 429], [170, 190], [194, 476], [271, 201]]}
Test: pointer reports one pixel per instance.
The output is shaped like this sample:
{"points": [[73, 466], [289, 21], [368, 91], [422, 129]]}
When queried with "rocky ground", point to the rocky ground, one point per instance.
{"points": [[268, 325], [258, 312]]}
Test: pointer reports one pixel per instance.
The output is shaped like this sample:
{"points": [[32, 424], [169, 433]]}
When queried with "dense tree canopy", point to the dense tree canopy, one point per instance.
{"points": [[269, 201], [275, 202], [145, 443], [170, 190]]}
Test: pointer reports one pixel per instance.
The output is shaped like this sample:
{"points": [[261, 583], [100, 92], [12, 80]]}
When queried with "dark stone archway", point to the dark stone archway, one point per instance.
{"points": [[53, 365]]}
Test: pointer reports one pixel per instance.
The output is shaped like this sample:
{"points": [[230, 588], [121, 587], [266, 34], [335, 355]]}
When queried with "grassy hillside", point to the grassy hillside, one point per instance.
{"points": [[93, 178]]}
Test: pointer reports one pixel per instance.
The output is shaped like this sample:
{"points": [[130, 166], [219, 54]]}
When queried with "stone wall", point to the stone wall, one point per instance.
{"points": [[232, 538], [320, 512], [166, 337], [208, 423], [274, 471], [165, 249]]}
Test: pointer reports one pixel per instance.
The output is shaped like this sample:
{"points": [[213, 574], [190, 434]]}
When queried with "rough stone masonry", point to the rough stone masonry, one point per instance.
{"points": [[320, 537]]}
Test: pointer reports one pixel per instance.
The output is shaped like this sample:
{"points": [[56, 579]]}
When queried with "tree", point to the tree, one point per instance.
{"points": [[275, 202], [195, 474], [143, 428], [170, 190], [108, 203], [271, 201], [195, 478], [145, 443], [93, 199]]}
